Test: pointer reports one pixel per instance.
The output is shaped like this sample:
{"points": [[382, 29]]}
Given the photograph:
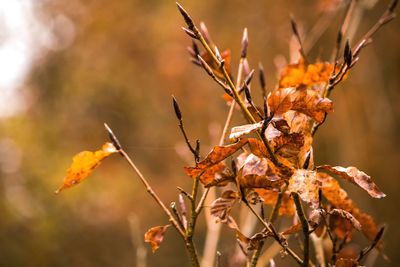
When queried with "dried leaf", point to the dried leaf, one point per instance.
{"points": [[258, 173], [280, 101], [332, 191], [295, 75], [270, 197], [316, 217], [347, 215], [241, 130], [305, 183], [303, 100], [221, 207], [155, 235], [346, 263], [207, 176], [309, 102], [292, 229], [84, 163], [357, 177], [341, 227]]}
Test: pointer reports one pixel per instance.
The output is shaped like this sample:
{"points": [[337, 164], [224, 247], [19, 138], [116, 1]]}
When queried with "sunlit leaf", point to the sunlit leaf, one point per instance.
{"points": [[295, 75], [357, 177], [303, 100], [154, 236], [305, 183], [241, 130], [280, 101], [84, 163]]}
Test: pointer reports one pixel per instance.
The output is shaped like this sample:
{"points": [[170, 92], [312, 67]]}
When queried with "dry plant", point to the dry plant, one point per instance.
{"points": [[267, 162]]}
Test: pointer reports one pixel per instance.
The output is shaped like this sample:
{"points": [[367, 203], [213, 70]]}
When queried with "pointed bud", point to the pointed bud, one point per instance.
{"points": [[176, 108], [217, 53], [294, 25], [205, 66], [245, 43], [205, 33], [190, 33], [247, 80], [339, 38], [392, 6], [197, 149], [261, 77], [112, 137], [247, 93], [265, 108], [348, 57], [186, 17]]}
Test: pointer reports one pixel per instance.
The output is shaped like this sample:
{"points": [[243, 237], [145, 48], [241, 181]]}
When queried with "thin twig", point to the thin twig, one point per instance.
{"points": [[276, 236], [305, 227]]}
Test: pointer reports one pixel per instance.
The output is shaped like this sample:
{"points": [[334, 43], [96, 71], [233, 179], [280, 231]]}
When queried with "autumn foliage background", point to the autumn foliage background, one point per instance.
{"points": [[121, 66]]}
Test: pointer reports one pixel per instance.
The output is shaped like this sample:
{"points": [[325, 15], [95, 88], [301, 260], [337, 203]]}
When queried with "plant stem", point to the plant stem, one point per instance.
{"points": [[305, 227], [152, 193], [276, 236]]}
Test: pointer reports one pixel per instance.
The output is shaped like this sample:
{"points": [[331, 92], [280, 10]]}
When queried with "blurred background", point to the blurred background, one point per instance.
{"points": [[68, 66]]}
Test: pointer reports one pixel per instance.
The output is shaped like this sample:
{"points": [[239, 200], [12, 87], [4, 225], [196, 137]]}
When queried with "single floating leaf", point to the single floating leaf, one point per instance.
{"points": [[154, 236], [357, 177], [84, 163]]}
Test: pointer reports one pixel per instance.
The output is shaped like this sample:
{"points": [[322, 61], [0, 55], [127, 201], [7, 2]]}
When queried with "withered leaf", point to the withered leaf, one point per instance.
{"points": [[303, 100], [316, 217], [292, 229], [258, 173], [342, 262], [357, 177], [206, 176], [226, 56], [347, 215], [280, 101], [338, 197], [241, 130], [221, 207], [155, 235], [84, 163], [270, 197], [295, 75], [341, 227], [305, 183]]}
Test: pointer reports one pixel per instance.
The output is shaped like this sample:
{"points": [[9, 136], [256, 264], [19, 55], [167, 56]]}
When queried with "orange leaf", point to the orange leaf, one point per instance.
{"points": [[155, 235], [280, 101], [357, 177], [339, 199], [206, 176], [295, 75], [305, 183], [303, 100], [270, 197], [258, 173], [84, 163]]}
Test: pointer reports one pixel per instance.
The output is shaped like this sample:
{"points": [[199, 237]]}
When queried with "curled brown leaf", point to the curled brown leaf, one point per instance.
{"points": [[155, 235], [356, 177]]}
